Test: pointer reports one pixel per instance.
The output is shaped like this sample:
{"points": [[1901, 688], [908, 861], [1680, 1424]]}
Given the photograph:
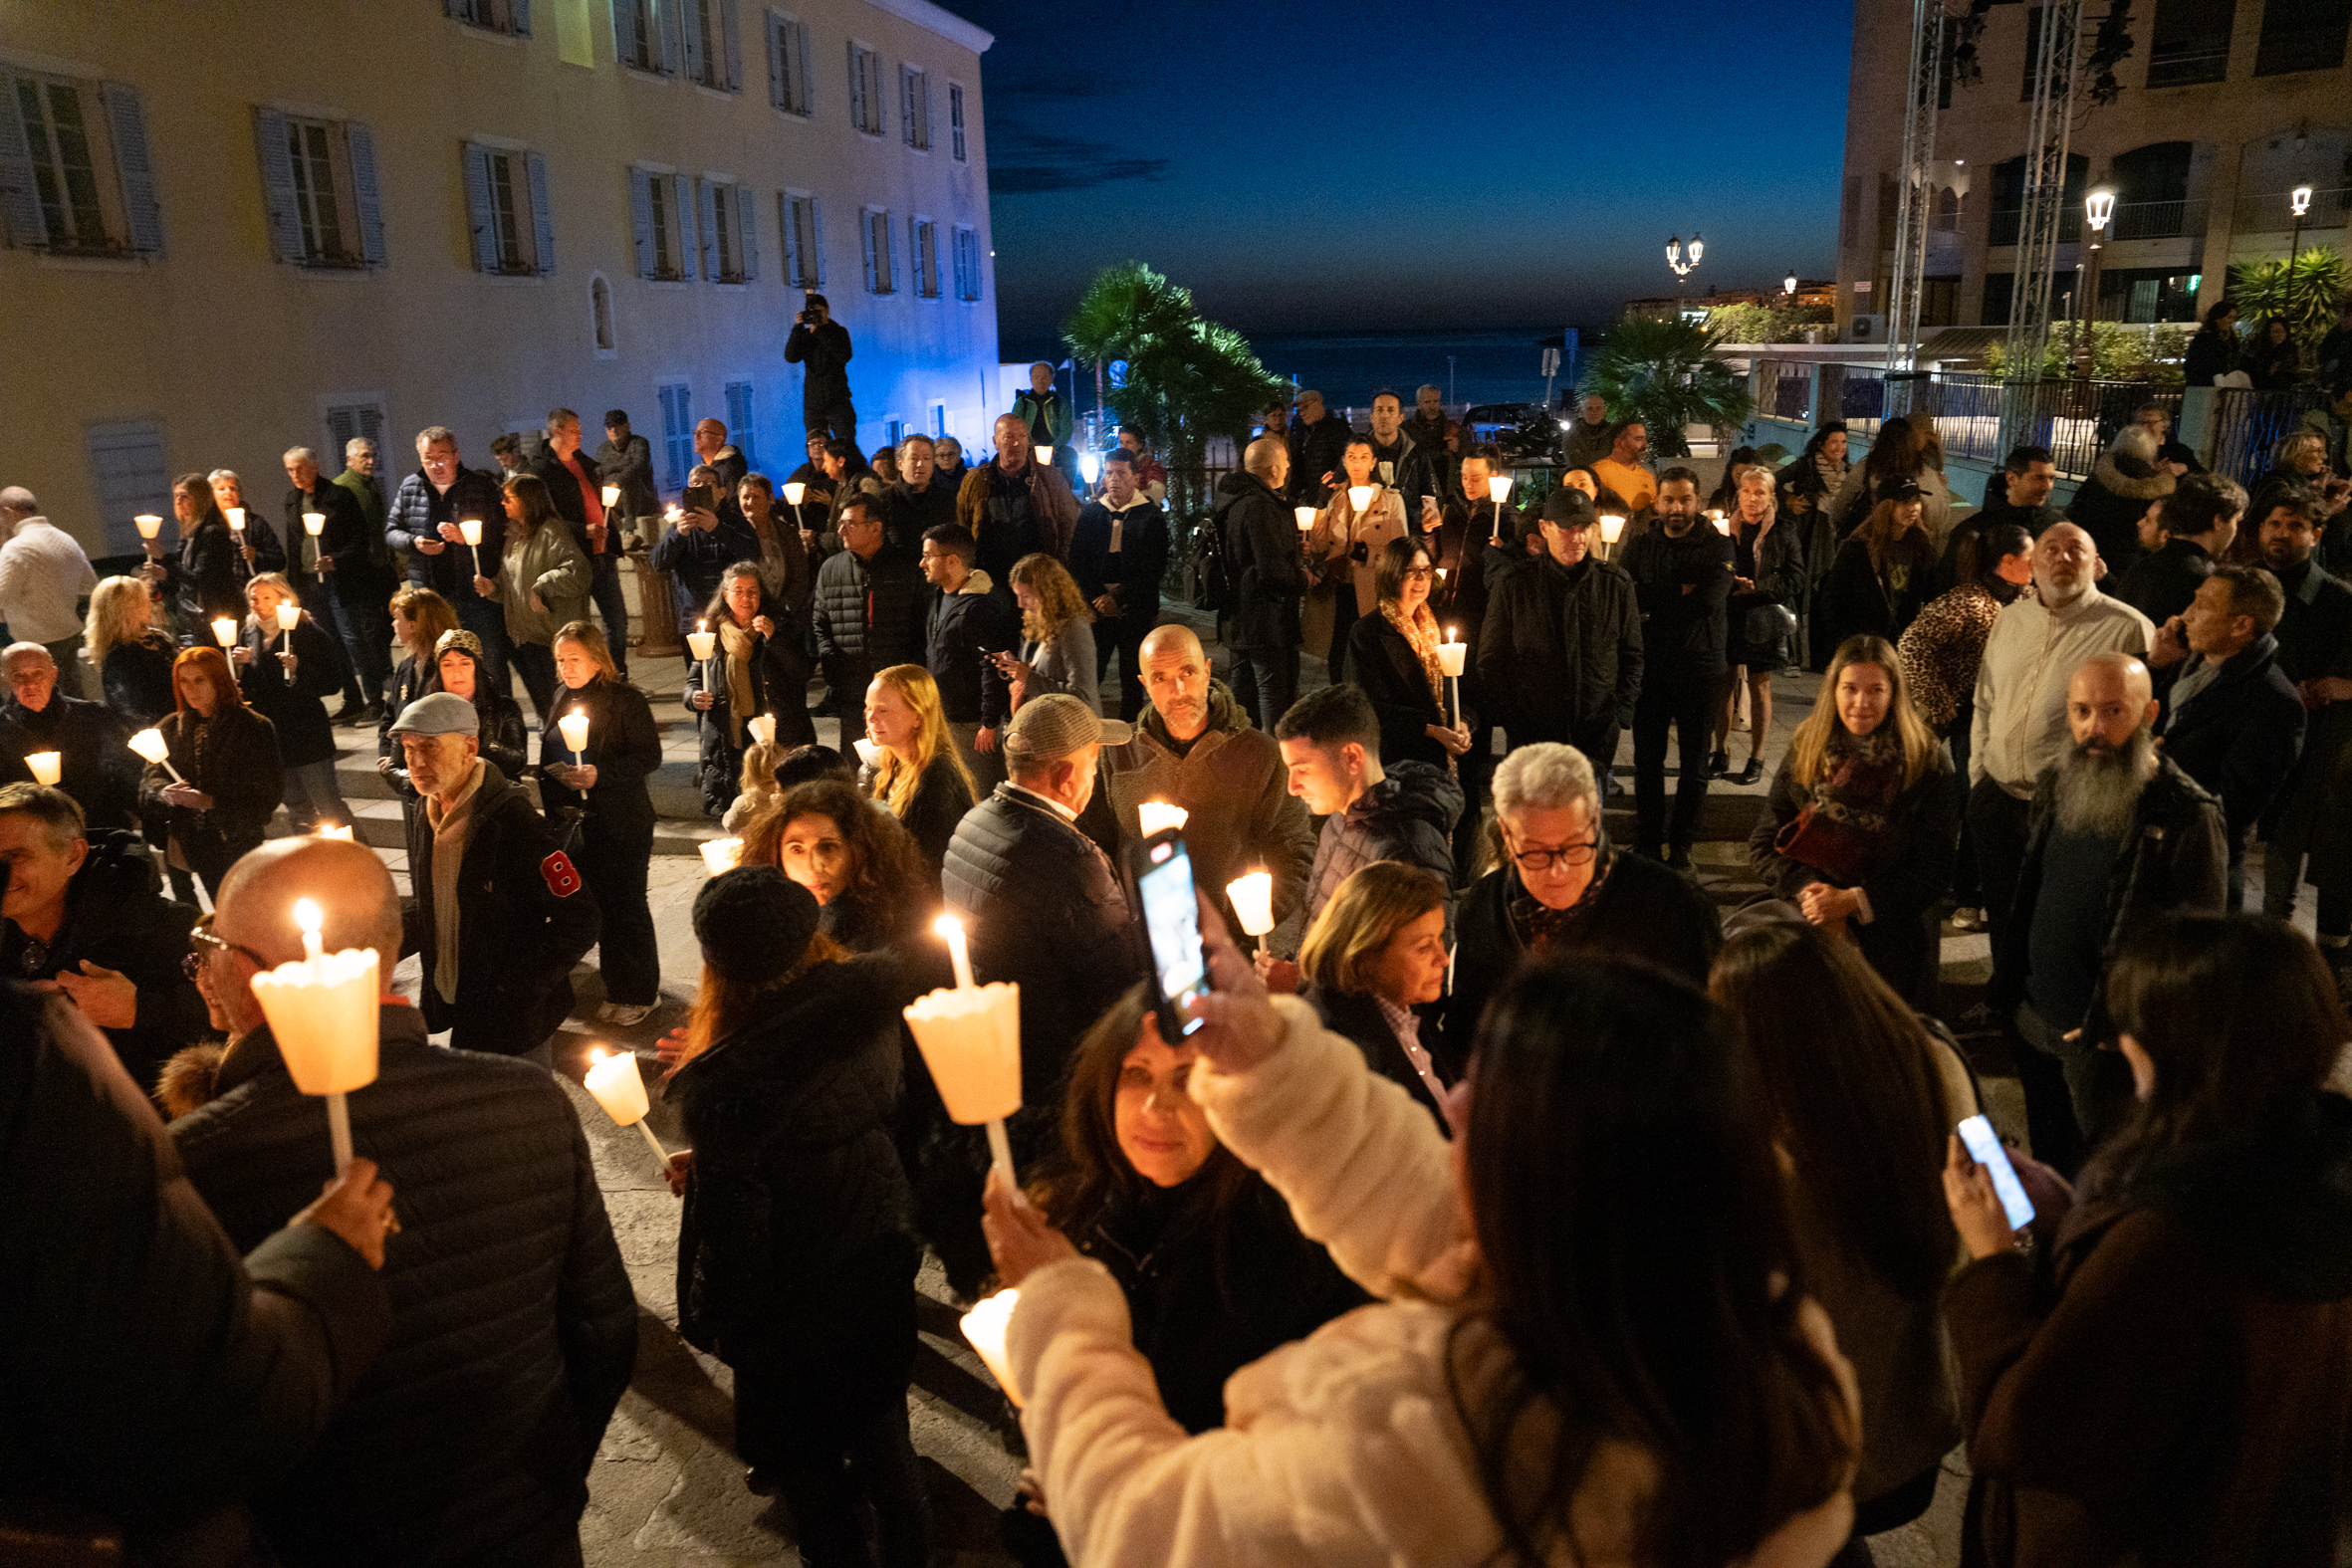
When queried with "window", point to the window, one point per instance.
{"points": [[967, 263], [881, 265], [788, 64], [506, 204], [492, 16], [677, 434], [896, 430], [741, 421], [804, 240], [126, 462], [665, 233], [922, 254], [714, 53], [351, 416], [2301, 35], [318, 186], [2190, 41], [938, 420], [866, 90], [728, 253], [636, 36], [75, 178], [1939, 301], [1999, 286], [601, 317], [955, 117], [914, 108]]}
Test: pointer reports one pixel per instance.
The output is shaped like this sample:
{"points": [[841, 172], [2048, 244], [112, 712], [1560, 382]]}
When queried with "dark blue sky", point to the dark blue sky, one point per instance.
{"points": [[1324, 166]]}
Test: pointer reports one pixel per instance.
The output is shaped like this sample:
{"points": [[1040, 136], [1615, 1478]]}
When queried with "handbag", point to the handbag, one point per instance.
{"points": [[1832, 847], [1771, 627]]}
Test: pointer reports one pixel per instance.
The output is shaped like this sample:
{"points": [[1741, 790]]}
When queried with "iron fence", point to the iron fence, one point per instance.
{"points": [[2075, 419], [2249, 426]]}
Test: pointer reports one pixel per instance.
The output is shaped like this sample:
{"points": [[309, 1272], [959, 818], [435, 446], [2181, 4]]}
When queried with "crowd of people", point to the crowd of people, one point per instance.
{"points": [[1504, 1202]]}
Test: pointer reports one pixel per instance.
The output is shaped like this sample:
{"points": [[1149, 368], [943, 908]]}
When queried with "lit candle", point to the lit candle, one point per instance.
{"points": [[983, 1329], [151, 745], [620, 1088], [703, 641], [323, 1013], [970, 1038], [763, 728], [959, 950], [793, 490], [224, 631], [573, 728], [289, 617], [1498, 488], [329, 830], [611, 497], [1306, 517], [1450, 654], [45, 765], [1359, 497], [722, 854], [314, 523], [1044, 456], [1723, 524], [236, 517], [1253, 901], [869, 751], [1157, 816], [148, 525], [470, 530], [1610, 527]]}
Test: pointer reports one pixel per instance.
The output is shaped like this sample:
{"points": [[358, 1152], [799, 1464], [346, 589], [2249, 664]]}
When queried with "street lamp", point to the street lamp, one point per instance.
{"points": [[2301, 197], [1788, 286], [2098, 208], [1682, 269]]}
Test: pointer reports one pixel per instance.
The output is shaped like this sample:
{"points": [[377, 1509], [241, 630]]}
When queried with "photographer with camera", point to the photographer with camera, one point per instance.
{"points": [[822, 345]]}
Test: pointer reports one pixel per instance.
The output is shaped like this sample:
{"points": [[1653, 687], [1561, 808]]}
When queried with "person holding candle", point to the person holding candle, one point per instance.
{"points": [[131, 653], [755, 668], [625, 462], [785, 572], [506, 740], [336, 572], [605, 782], [90, 742], [515, 1326], [1339, 550], [576, 487], [1396, 663], [421, 619], [797, 1253], [205, 580], [867, 613], [285, 674], [221, 781], [856, 860], [500, 912], [258, 547], [542, 584], [1375, 955], [1057, 636], [706, 536], [423, 524], [921, 779]]}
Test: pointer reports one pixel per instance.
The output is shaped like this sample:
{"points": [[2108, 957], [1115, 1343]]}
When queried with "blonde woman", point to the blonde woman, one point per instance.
{"points": [[1863, 817], [1375, 952], [921, 776], [131, 653], [286, 677], [1767, 583], [1343, 553], [1058, 635]]}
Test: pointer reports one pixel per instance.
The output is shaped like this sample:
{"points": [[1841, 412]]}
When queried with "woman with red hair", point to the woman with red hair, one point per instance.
{"points": [[229, 781]]}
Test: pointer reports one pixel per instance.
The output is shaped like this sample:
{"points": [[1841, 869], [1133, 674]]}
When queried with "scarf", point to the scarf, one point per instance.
{"points": [[1420, 633], [1861, 778], [451, 830], [735, 650], [1538, 926]]}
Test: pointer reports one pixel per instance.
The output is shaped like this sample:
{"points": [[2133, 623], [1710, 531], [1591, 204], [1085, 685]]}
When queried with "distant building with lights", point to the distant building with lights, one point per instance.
{"points": [[234, 228], [2226, 106]]}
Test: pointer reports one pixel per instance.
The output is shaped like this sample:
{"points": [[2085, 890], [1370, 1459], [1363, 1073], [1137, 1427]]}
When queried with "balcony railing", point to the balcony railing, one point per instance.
{"points": [[2158, 220], [2189, 61], [2273, 212], [2006, 220]]}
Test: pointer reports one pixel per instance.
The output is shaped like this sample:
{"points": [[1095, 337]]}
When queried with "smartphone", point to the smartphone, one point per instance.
{"points": [[701, 498], [1171, 912], [1984, 1145]]}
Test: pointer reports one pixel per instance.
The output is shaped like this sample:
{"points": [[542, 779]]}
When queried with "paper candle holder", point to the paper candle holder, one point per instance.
{"points": [[793, 490], [314, 523], [1157, 816], [1450, 659], [1610, 527], [722, 854], [984, 1330], [1498, 488], [289, 615], [611, 497], [703, 644], [46, 767], [1044, 456], [322, 1011], [236, 518], [619, 1087], [1306, 517], [470, 530], [148, 524], [762, 727], [971, 1041], [1359, 497], [573, 727], [1253, 902], [224, 631], [151, 745], [868, 752]]}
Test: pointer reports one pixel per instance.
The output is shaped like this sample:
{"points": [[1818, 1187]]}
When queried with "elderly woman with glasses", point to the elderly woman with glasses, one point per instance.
{"points": [[1558, 885]]}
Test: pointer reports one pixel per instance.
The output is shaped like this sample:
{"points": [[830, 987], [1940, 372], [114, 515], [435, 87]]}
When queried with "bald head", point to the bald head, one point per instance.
{"points": [[347, 882], [1268, 457], [2065, 563], [1176, 679], [1012, 433], [2108, 698], [18, 502]]}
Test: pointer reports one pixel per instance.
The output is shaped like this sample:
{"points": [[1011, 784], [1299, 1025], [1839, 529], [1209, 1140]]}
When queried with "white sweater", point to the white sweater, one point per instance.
{"points": [[1343, 1448], [2019, 729], [42, 573]]}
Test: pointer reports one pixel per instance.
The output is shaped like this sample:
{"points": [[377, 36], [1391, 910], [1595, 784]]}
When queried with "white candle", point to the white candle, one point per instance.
{"points": [[1306, 517], [45, 765], [763, 728], [722, 854], [959, 950], [331, 831], [1359, 496], [793, 490], [611, 497], [971, 1040], [1498, 488], [869, 751], [703, 641], [289, 615], [323, 1013], [470, 530], [151, 745], [314, 523], [620, 1088], [573, 727], [1253, 901], [983, 1329], [224, 631], [1723, 524], [1451, 653], [1044, 456], [236, 517], [1157, 816], [1610, 527], [148, 525]]}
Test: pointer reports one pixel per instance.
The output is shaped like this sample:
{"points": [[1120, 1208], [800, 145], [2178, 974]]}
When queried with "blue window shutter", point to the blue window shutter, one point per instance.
{"points": [[277, 184], [542, 220], [128, 123], [801, 54], [666, 18], [856, 89], [775, 31], [642, 219], [706, 209], [691, 15], [20, 201], [792, 240], [625, 31], [746, 224], [367, 194], [520, 11], [683, 208], [477, 203], [730, 38], [816, 236], [865, 230]]}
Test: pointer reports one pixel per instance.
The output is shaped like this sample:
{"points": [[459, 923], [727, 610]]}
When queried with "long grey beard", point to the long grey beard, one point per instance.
{"points": [[2099, 793]]}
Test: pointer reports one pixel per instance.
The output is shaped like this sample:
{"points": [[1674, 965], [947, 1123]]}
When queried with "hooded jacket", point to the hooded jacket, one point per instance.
{"points": [[2110, 504], [1408, 816], [1232, 780], [514, 1325], [1264, 560], [959, 630]]}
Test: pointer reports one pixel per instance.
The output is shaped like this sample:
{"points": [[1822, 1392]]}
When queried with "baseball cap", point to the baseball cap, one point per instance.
{"points": [[438, 713], [1049, 728], [1565, 507], [1307, 395]]}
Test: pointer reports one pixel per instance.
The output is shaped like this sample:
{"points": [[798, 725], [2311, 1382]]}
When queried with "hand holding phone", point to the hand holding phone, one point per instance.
{"points": [[1170, 908], [1988, 1220]]}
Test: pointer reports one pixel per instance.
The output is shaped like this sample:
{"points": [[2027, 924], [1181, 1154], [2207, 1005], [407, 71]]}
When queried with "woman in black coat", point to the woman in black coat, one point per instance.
{"points": [[205, 583], [1393, 653], [2272, 359], [2215, 351], [604, 800], [751, 671], [131, 654], [1880, 581], [1863, 818], [1768, 587], [286, 676], [505, 738], [227, 759], [1375, 952], [797, 1253]]}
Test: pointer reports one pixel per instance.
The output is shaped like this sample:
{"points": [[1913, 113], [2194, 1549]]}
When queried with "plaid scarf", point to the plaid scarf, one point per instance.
{"points": [[1420, 633]]}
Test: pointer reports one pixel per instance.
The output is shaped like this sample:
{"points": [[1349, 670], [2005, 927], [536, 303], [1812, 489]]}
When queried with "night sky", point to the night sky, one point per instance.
{"points": [[1320, 166]]}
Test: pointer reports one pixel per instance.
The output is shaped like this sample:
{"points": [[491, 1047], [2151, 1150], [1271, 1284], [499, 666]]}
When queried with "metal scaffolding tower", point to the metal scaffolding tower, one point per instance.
{"points": [[2046, 142], [1917, 180]]}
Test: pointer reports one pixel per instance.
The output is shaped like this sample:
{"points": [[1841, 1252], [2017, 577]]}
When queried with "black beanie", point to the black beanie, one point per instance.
{"points": [[754, 923]]}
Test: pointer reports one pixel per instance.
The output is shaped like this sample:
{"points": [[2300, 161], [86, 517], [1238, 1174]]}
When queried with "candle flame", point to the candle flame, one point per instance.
{"points": [[306, 916], [947, 926]]}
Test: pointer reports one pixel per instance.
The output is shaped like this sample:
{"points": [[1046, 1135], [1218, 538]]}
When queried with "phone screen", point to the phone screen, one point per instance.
{"points": [[1172, 922], [1984, 1145], [701, 498]]}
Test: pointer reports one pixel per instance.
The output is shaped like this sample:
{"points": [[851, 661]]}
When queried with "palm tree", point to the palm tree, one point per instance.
{"points": [[2307, 300], [1664, 374], [1187, 379]]}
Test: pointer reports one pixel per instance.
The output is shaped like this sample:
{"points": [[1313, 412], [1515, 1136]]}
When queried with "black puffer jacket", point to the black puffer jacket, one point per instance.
{"points": [[96, 765], [294, 706], [150, 1376], [1408, 816], [796, 1244], [868, 616], [118, 918], [1047, 910], [1561, 651], [908, 514], [1264, 560], [514, 1325]]}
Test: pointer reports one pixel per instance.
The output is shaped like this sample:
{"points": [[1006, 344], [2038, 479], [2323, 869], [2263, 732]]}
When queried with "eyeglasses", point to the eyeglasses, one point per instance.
{"points": [[1418, 575], [203, 943], [1566, 854]]}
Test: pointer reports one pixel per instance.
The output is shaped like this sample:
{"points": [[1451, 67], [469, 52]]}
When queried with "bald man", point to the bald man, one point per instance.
{"points": [[2118, 835], [1266, 573], [515, 1327], [2019, 729], [1195, 748]]}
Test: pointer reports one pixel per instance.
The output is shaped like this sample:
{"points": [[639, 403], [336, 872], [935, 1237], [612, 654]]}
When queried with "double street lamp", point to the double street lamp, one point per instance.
{"points": [[1682, 269], [2301, 197]]}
